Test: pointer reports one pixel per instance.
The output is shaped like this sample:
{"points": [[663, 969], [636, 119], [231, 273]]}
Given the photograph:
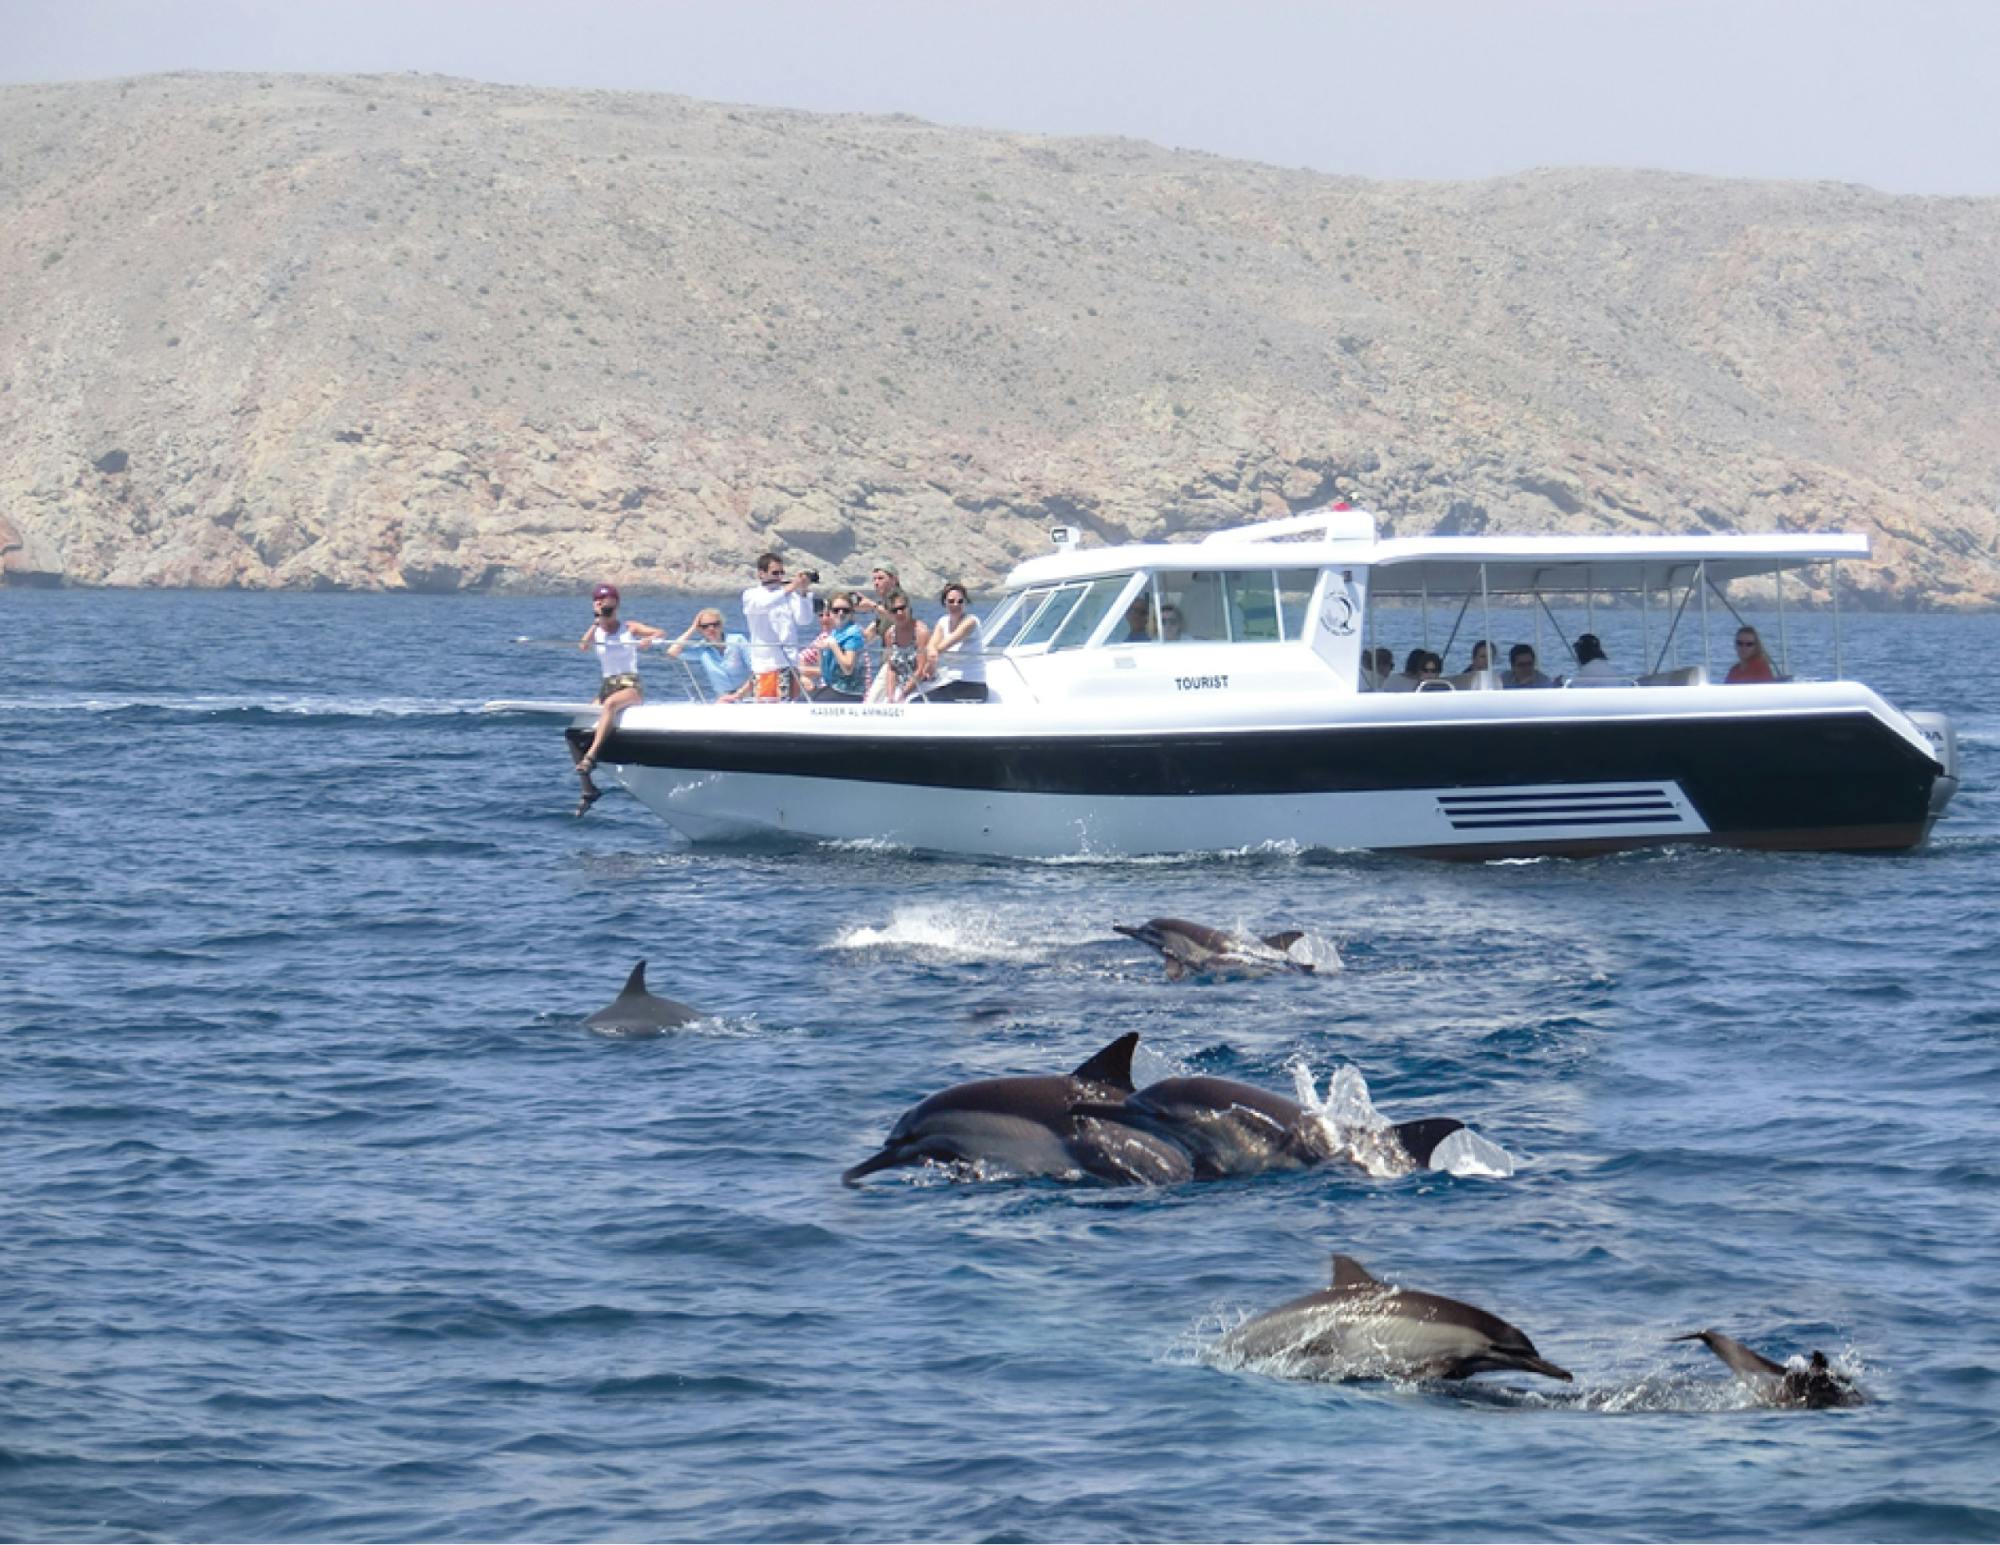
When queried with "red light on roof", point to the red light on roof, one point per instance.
{"points": [[1342, 504]]}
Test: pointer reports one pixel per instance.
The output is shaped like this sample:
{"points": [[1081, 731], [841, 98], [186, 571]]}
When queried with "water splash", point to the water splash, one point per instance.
{"points": [[1356, 1131], [952, 933], [1353, 1128]]}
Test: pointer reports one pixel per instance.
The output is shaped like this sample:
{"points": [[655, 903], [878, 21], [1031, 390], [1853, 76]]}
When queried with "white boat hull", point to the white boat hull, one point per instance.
{"points": [[735, 806]]}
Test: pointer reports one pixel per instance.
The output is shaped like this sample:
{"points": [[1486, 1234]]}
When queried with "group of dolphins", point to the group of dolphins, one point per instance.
{"points": [[1093, 1122]]}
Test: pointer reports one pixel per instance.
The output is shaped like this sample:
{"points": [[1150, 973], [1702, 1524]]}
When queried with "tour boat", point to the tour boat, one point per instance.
{"points": [[1262, 723]]}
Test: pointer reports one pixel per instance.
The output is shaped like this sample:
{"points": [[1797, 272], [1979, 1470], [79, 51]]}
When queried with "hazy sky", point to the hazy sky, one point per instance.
{"points": [[1903, 95]]}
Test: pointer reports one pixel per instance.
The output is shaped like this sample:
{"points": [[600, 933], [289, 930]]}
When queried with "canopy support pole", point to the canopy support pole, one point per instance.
{"points": [[1784, 646], [1486, 614], [1704, 617], [1839, 669]]}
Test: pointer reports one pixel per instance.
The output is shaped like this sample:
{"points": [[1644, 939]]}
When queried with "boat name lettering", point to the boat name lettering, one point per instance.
{"points": [[825, 711], [1201, 683]]}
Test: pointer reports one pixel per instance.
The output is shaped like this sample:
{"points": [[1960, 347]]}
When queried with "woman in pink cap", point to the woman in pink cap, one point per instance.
{"points": [[617, 645]]}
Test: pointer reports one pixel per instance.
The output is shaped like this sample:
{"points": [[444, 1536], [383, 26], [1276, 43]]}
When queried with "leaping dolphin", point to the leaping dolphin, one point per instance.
{"points": [[1232, 1129], [635, 1013], [1815, 1386], [1033, 1127], [1194, 949], [1361, 1328]]}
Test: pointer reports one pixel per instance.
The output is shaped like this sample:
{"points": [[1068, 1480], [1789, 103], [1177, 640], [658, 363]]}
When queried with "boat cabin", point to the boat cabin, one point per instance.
{"points": [[1305, 603]]}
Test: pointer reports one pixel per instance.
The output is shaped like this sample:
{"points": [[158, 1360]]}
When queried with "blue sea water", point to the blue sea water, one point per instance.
{"points": [[326, 1218]]}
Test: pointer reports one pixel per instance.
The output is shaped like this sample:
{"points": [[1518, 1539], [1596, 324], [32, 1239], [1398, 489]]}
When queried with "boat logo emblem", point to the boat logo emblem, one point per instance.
{"points": [[1336, 613]]}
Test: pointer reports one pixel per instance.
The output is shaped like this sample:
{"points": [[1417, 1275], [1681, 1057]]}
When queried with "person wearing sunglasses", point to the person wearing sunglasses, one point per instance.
{"points": [[1522, 670], [955, 659], [1752, 664], [775, 612], [617, 645], [903, 641], [842, 657], [724, 657]]}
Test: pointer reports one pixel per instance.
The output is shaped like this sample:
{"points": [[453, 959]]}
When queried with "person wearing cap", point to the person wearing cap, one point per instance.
{"points": [[775, 611], [1591, 664], [882, 579], [617, 645]]}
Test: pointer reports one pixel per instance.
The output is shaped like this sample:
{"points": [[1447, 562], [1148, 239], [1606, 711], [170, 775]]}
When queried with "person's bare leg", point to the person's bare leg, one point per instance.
{"points": [[623, 698], [609, 711]]}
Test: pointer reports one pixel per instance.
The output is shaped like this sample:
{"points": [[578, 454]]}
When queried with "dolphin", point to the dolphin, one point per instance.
{"points": [[1194, 949], [1034, 1127], [1364, 1329], [636, 1014], [1814, 1387], [1232, 1129]]}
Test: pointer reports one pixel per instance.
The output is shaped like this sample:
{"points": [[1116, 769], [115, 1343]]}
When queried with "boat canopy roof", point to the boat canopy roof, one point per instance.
{"points": [[1519, 565], [1513, 565]]}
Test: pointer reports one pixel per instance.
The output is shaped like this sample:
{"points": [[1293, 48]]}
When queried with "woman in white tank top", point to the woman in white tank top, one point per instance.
{"points": [[956, 657], [617, 645]]}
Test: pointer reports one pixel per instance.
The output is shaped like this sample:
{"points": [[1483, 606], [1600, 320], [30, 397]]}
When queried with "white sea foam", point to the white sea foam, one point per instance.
{"points": [[277, 703], [958, 933]]}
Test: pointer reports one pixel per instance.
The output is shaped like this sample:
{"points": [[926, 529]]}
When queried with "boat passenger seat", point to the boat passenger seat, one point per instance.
{"points": [[1683, 676]]}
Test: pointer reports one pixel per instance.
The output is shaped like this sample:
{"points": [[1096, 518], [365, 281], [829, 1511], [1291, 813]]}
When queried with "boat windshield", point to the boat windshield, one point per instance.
{"points": [[1058, 616]]}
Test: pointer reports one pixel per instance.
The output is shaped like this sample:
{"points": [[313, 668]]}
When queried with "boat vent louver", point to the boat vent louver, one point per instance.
{"points": [[1639, 805]]}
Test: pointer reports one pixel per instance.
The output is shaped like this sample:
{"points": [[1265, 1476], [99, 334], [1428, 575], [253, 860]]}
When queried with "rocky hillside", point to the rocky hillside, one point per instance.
{"points": [[407, 332]]}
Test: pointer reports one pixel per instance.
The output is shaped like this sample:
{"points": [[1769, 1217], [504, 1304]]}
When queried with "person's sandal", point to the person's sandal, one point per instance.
{"points": [[588, 798]]}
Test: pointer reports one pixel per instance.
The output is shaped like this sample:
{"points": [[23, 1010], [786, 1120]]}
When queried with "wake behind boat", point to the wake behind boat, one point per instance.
{"points": [[1196, 697]]}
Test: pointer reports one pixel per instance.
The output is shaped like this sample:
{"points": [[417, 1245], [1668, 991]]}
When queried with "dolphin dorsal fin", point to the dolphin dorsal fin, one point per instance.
{"points": [[1113, 1065], [635, 984], [1350, 1273], [1283, 942]]}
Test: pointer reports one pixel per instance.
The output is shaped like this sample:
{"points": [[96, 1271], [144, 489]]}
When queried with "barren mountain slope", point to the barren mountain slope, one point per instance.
{"points": [[414, 332]]}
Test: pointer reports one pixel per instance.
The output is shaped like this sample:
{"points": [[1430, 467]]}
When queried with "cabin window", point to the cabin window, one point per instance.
{"points": [[1295, 593], [1191, 607], [1251, 606], [1015, 615], [1054, 613], [1097, 601]]}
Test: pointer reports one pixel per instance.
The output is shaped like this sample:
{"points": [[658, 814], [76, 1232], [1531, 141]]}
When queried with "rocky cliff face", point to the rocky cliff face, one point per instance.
{"points": [[407, 332]]}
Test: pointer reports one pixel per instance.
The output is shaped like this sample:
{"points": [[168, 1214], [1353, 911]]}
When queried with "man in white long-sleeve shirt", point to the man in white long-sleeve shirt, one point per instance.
{"points": [[774, 612]]}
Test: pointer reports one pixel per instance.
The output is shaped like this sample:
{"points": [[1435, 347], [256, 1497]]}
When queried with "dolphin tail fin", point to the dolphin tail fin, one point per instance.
{"points": [[1283, 942], [1420, 1138], [635, 984], [1743, 1362], [1350, 1273], [1113, 1065], [888, 1158]]}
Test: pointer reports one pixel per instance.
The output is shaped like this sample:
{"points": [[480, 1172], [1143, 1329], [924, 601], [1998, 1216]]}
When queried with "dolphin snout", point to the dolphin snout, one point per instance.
{"points": [[888, 1158], [1543, 1366]]}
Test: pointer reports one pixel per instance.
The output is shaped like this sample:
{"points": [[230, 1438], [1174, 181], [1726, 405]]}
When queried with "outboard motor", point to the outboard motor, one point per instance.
{"points": [[1937, 728]]}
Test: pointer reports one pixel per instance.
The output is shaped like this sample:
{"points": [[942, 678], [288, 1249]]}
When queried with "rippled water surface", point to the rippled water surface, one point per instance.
{"points": [[326, 1218]]}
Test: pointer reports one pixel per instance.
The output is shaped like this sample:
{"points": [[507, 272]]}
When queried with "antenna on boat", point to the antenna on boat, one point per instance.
{"points": [[1064, 538]]}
